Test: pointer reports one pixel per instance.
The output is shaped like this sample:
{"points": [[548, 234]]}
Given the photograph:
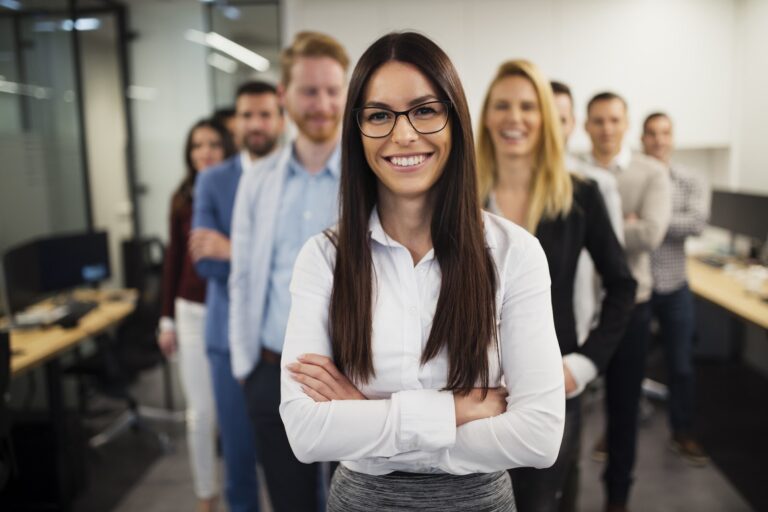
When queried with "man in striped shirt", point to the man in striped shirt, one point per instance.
{"points": [[672, 302]]}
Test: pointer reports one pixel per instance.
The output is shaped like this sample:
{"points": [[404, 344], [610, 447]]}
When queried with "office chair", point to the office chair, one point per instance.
{"points": [[122, 357]]}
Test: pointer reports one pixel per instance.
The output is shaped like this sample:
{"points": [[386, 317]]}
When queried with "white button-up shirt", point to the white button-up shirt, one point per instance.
{"points": [[408, 423]]}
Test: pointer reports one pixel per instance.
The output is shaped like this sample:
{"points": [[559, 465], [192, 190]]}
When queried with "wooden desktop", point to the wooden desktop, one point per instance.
{"points": [[716, 286], [33, 347]]}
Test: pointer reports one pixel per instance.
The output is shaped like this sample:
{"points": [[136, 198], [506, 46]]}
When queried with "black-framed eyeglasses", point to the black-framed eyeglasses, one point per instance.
{"points": [[426, 118]]}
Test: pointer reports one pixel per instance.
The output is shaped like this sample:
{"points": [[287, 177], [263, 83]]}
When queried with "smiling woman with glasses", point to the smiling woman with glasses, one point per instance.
{"points": [[420, 348], [425, 118]]}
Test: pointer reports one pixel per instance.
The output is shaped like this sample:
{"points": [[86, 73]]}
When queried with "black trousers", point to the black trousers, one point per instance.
{"points": [[623, 381], [543, 490], [292, 485]]}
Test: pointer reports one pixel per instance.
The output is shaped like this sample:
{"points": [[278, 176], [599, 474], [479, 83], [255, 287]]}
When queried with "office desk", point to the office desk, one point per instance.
{"points": [[714, 285], [33, 347]]}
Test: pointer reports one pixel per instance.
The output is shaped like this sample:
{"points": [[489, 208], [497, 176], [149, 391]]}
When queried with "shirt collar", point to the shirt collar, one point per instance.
{"points": [[376, 231], [619, 163], [245, 161], [248, 164], [623, 159], [332, 165], [490, 237]]}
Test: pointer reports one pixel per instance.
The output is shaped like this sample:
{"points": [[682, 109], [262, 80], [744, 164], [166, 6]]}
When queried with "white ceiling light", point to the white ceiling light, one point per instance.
{"points": [[81, 25], [35, 91], [231, 12], [231, 48], [11, 4], [141, 93], [221, 62]]}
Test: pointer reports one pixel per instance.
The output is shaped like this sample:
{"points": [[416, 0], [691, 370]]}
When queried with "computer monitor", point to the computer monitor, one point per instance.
{"points": [[48, 265], [743, 214]]}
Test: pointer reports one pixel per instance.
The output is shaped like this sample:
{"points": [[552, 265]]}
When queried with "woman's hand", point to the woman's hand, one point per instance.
{"points": [[473, 406], [570, 382], [321, 380], [167, 342]]}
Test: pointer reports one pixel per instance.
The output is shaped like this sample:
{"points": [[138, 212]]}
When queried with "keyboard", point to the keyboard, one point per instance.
{"points": [[76, 310], [712, 260], [66, 315]]}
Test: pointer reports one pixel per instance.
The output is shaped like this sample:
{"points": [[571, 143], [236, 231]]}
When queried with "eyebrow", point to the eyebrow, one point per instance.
{"points": [[416, 101]]}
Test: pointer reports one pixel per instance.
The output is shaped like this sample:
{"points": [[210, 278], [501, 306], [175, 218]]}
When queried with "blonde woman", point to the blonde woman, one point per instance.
{"points": [[522, 177]]}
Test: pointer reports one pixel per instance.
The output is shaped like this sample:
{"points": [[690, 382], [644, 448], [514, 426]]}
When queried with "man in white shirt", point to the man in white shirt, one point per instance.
{"points": [[564, 105], [587, 290], [646, 204], [291, 196], [257, 126]]}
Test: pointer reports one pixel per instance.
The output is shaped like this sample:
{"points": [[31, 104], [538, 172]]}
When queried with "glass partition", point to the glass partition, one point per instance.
{"points": [[42, 173], [256, 27]]}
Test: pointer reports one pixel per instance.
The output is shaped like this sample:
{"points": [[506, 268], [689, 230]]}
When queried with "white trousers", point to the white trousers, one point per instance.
{"points": [[198, 393]]}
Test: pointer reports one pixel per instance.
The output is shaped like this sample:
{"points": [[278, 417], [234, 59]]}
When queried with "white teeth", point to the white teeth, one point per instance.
{"points": [[512, 134], [407, 161]]}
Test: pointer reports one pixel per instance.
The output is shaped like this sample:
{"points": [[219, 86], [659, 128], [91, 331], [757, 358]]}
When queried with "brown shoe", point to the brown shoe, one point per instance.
{"points": [[600, 450], [688, 448]]}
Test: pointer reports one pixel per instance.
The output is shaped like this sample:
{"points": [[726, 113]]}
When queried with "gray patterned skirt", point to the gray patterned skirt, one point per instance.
{"points": [[359, 492]]}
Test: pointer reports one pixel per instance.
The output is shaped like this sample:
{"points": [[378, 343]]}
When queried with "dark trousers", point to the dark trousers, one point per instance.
{"points": [[542, 490], [292, 485], [674, 312], [236, 433], [623, 380]]}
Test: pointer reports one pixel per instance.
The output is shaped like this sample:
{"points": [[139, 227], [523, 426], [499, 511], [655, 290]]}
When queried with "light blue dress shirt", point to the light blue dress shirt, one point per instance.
{"points": [[309, 205]]}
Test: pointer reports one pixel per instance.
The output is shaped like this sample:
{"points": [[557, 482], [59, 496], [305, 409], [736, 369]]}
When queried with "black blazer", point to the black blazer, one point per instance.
{"points": [[588, 226]]}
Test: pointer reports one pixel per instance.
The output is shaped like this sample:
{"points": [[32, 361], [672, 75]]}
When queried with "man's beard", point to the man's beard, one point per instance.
{"points": [[262, 147], [317, 134]]}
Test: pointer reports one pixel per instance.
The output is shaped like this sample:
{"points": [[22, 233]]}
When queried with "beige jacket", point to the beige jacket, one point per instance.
{"points": [[645, 190]]}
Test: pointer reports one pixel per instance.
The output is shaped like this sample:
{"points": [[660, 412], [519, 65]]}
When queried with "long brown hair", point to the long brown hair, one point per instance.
{"points": [[182, 196], [551, 193], [464, 322]]}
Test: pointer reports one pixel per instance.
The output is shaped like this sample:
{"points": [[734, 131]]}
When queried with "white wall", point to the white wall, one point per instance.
{"points": [[751, 157], [675, 56], [175, 74]]}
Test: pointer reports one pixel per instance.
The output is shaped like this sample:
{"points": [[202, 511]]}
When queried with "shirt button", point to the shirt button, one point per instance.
{"points": [[307, 215]]}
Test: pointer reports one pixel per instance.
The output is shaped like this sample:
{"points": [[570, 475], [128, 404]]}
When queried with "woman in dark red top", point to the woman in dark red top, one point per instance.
{"points": [[183, 317]]}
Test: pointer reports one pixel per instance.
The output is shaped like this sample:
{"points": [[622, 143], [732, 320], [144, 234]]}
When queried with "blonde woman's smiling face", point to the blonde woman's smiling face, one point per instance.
{"points": [[513, 117]]}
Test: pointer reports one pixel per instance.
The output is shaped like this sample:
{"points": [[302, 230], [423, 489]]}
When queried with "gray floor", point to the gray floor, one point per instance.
{"points": [[665, 483]]}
